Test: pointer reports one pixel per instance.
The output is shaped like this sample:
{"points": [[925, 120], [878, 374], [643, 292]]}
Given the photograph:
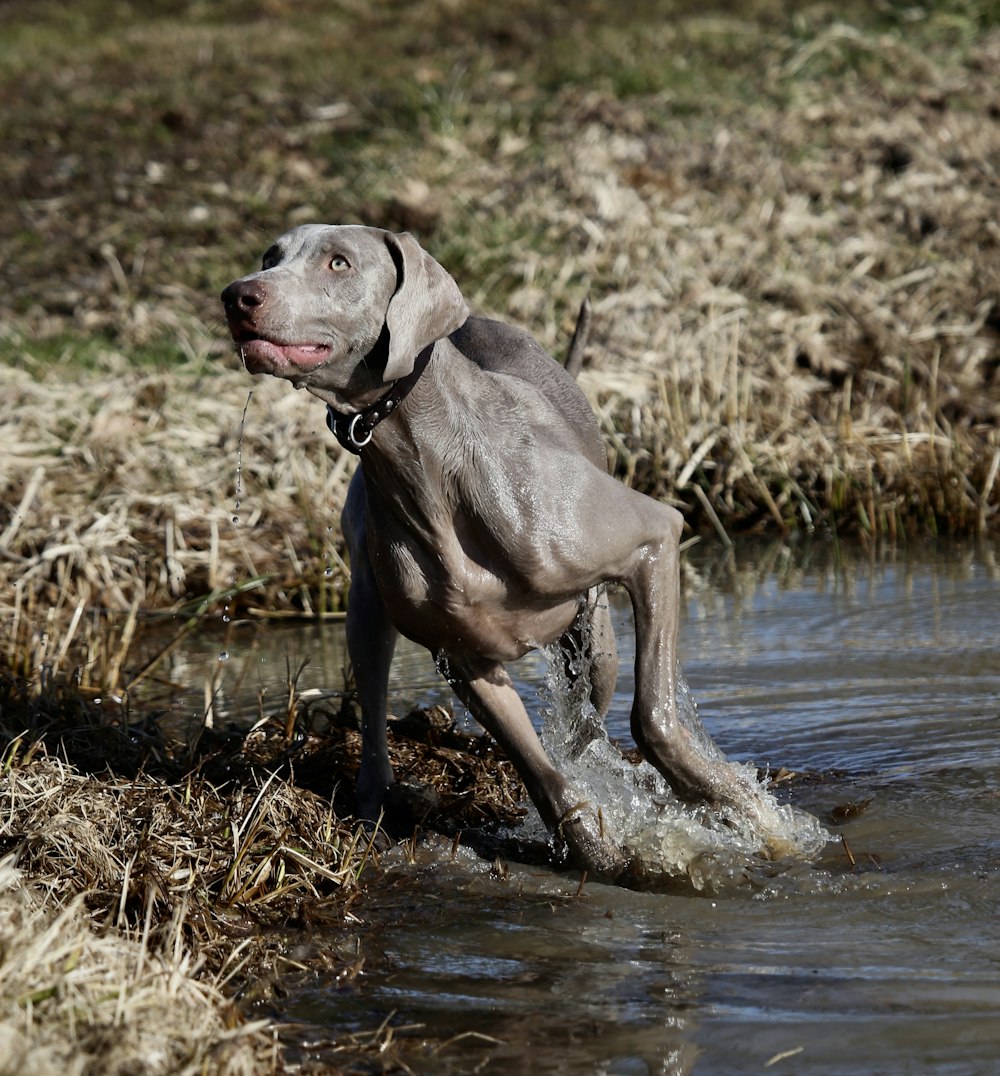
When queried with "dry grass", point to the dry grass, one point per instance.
{"points": [[113, 956], [134, 907], [153, 893], [797, 308], [128, 484], [78, 1000], [142, 846]]}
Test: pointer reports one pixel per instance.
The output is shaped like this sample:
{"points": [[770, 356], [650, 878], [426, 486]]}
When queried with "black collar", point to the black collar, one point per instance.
{"points": [[355, 431]]}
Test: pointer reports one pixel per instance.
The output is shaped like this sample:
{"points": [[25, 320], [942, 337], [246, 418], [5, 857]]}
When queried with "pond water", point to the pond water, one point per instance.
{"points": [[877, 674]]}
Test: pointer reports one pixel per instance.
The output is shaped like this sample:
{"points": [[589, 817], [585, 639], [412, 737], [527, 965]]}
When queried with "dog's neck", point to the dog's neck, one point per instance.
{"points": [[354, 430]]}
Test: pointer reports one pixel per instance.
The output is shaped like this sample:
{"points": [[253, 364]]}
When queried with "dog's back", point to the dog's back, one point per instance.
{"points": [[500, 348]]}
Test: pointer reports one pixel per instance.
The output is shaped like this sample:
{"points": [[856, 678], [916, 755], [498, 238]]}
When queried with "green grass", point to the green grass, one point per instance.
{"points": [[68, 351]]}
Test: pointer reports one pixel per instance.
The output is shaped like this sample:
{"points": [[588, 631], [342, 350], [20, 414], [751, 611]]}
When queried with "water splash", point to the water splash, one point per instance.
{"points": [[666, 837]]}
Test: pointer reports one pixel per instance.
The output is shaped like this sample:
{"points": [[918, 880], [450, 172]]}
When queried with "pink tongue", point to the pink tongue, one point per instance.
{"points": [[303, 354], [262, 354]]}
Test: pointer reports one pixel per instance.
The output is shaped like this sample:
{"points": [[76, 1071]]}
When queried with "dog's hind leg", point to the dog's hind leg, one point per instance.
{"points": [[652, 579]]}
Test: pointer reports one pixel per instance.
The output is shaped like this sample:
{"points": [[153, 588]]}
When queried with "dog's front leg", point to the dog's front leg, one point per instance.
{"points": [[371, 641], [488, 692]]}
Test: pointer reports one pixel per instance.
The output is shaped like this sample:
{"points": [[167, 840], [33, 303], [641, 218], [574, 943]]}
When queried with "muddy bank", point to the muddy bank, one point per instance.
{"points": [[164, 888]]}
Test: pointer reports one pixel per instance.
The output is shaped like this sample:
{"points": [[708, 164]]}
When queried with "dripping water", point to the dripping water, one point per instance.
{"points": [[239, 459], [237, 501]]}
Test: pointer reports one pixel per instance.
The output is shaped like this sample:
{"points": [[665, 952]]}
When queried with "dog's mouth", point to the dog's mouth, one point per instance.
{"points": [[262, 356]]}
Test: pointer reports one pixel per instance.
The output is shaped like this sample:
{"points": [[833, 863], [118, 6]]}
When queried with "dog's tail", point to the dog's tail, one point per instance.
{"points": [[578, 345]]}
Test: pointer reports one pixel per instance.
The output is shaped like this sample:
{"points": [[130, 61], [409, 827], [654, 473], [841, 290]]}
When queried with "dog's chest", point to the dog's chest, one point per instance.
{"points": [[451, 591]]}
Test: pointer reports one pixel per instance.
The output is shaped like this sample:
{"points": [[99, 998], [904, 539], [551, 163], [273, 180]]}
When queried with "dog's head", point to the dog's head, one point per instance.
{"points": [[341, 310]]}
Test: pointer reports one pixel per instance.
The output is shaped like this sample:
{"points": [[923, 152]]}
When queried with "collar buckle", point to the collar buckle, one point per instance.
{"points": [[354, 431]]}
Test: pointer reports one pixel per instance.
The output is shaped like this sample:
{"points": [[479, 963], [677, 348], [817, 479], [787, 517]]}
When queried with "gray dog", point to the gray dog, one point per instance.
{"points": [[482, 522]]}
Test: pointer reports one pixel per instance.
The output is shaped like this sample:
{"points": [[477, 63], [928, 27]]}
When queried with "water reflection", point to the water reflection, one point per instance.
{"points": [[881, 674], [524, 979]]}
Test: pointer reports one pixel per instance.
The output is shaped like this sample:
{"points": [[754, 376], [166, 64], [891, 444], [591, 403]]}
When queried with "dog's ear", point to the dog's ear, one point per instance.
{"points": [[426, 306]]}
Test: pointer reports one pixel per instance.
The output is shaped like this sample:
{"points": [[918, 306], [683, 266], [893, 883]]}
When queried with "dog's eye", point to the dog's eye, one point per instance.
{"points": [[338, 263], [270, 260]]}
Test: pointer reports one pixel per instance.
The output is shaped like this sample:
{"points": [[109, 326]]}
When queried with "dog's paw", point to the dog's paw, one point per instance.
{"points": [[590, 846]]}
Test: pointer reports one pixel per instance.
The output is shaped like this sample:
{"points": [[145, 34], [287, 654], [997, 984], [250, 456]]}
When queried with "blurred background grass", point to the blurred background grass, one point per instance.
{"points": [[150, 149], [786, 217]]}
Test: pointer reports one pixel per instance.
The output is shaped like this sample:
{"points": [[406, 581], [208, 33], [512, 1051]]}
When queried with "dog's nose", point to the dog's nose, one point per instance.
{"points": [[243, 296]]}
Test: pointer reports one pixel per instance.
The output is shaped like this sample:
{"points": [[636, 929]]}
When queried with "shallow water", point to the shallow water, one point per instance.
{"points": [[881, 675]]}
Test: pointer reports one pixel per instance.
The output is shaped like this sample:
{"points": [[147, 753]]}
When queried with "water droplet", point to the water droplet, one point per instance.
{"points": [[441, 663], [223, 655], [226, 618], [239, 460]]}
